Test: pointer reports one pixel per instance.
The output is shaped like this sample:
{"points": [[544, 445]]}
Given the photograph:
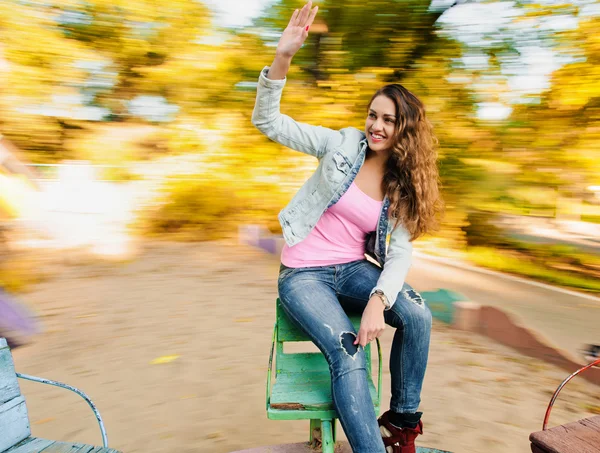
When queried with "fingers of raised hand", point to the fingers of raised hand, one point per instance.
{"points": [[312, 16], [303, 15], [293, 19], [296, 17]]}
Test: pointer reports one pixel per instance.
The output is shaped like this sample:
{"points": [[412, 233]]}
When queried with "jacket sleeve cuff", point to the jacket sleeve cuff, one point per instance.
{"points": [[264, 81]]}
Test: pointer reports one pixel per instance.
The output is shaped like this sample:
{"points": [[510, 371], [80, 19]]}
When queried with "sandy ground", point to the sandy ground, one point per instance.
{"points": [[206, 311]]}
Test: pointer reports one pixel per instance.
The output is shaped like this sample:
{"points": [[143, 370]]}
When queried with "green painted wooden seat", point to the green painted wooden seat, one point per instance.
{"points": [[302, 384], [15, 432]]}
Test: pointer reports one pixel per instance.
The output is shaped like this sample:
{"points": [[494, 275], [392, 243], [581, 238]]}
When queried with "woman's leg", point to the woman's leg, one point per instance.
{"points": [[412, 320], [308, 297]]}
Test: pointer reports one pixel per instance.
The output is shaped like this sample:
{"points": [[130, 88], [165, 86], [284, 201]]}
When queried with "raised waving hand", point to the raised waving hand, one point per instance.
{"points": [[296, 31], [291, 40]]}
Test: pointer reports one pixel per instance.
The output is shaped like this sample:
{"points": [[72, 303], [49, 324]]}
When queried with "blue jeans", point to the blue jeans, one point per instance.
{"points": [[317, 299]]}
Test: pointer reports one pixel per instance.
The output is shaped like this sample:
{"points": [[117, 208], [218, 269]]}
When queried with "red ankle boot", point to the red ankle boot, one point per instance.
{"points": [[398, 440]]}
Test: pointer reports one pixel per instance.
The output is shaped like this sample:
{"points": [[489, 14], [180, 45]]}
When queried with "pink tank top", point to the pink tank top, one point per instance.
{"points": [[339, 235]]}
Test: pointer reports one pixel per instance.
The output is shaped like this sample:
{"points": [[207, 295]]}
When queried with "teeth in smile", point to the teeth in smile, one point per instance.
{"points": [[378, 137]]}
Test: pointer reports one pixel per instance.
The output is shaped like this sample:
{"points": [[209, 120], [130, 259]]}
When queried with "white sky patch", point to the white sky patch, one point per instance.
{"points": [[67, 106], [216, 39], [529, 83], [560, 23], [474, 20], [236, 13], [91, 65], [475, 61], [154, 108], [493, 111], [536, 66], [592, 9]]}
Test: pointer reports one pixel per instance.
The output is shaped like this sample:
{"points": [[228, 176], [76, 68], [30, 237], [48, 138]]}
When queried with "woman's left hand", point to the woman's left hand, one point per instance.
{"points": [[372, 322]]}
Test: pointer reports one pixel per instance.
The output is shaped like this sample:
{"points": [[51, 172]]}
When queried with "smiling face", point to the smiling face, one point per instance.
{"points": [[380, 126]]}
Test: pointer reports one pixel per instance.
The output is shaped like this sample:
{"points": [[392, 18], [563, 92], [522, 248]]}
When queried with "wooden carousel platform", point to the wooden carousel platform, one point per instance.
{"points": [[304, 447]]}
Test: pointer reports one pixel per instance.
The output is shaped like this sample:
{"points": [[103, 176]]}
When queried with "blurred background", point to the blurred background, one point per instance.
{"points": [[126, 142]]}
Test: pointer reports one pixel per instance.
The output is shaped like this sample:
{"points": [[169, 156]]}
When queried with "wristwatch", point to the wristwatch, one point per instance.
{"points": [[383, 298]]}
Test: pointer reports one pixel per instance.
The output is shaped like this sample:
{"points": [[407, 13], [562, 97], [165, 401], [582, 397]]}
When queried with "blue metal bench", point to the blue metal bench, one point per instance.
{"points": [[15, 432]]}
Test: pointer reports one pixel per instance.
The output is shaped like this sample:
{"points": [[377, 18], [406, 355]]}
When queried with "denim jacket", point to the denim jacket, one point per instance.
{"points": [[341, 155]]}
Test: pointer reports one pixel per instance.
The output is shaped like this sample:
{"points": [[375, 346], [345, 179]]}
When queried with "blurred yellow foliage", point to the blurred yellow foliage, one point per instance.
{"points": [[61, 60]]}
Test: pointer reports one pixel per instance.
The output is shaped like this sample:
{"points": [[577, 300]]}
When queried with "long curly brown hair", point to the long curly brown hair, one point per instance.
{"points": [[411, 177]]}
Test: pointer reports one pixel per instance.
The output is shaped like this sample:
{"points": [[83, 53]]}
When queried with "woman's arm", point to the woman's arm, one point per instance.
{"points": [[398, 261], [267, 117], [279, 68], [391, 280]]}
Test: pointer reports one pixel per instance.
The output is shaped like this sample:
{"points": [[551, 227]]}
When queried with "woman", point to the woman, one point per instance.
{"points": [[368, 184]]}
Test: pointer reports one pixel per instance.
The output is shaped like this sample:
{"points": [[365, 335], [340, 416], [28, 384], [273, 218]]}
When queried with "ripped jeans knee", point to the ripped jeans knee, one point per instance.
{"points": [[413, 296], [348, 357], [347, 340]]}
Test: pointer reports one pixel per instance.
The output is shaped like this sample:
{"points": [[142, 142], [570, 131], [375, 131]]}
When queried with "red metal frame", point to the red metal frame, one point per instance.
{"points": [[560, 387]]}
